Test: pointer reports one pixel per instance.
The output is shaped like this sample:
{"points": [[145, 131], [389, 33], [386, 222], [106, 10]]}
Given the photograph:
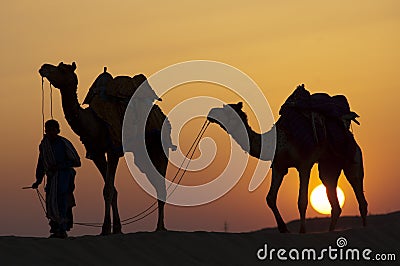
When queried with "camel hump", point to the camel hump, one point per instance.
{"points": [[108, 97], [99, 86], [332, 106], [300, 96], [122, 87], [336, 106]]}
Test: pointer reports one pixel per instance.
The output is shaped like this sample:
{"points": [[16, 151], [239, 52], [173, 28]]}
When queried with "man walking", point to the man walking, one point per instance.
{"points": [[57, 157]]}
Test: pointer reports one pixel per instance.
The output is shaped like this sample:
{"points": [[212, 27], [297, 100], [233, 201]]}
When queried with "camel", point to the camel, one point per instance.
{"points": [[93, 133], [289, 153]]}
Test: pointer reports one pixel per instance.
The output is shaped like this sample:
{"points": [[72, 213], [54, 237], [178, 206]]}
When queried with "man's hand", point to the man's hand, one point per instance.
{"points": [[35, 185]]}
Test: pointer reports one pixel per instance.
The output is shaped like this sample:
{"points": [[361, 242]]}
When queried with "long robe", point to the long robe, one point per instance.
{"points": [[56, 159]]}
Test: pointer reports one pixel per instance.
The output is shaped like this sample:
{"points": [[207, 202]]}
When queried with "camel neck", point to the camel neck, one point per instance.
{"points": [[255, 142], [249, 143], [70, 104]]}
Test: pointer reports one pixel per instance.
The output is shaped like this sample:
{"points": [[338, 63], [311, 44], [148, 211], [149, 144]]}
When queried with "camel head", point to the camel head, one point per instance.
{"points": [[229, 116], [61, 76]]}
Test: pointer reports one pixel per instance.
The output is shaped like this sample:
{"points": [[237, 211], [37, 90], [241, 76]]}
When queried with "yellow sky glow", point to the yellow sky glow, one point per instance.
{"points": [[338, 47]]}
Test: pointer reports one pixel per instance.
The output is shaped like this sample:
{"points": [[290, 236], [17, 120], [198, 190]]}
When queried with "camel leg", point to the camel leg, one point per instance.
{"points": [[160, 223], [355, 175], [108, 191], [117, 227], [161, 192], [329, 173], [159, 184], [302, 201], [357, 186], [162, 196], [333, 200], [101, 164], [276, 181], [160, 161]]}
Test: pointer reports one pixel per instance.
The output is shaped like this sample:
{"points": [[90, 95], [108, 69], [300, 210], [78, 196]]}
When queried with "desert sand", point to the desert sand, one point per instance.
{"points": [[382, 235]]}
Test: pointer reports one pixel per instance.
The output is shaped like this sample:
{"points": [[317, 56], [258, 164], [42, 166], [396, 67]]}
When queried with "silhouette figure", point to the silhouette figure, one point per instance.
{"points": [[308, 140], [101, 136], [57, 158]]}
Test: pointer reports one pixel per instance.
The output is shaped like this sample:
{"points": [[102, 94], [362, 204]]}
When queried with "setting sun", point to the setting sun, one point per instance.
{"points": [[319, 199]]}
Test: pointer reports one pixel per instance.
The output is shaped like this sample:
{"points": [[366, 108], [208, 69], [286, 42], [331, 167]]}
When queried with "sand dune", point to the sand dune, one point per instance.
{"points": [[382, 235]]}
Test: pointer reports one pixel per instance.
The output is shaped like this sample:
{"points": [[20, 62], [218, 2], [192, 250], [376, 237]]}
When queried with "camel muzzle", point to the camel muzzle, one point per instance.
{"points": [[45, 70], [212, 120], [42, 72]]}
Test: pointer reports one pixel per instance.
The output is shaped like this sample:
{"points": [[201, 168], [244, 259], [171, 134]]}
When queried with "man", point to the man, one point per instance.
{"points": [[57, 157]]}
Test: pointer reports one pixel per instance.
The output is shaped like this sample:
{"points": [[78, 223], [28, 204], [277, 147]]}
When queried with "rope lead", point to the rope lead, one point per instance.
{"points": [[192, 150], [51, 101], [42, 106]]}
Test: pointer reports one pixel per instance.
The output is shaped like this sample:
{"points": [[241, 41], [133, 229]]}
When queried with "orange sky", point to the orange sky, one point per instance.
{"points": [[338, 47]]}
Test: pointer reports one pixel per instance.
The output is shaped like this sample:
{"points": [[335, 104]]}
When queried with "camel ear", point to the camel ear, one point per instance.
{"points": [[73, 66], [240, 105]]}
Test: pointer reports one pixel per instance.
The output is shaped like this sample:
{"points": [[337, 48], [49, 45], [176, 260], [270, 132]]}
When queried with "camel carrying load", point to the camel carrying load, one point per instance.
{"points": [[329, 117], [312, 129], [109, 97], [100, 128]]}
